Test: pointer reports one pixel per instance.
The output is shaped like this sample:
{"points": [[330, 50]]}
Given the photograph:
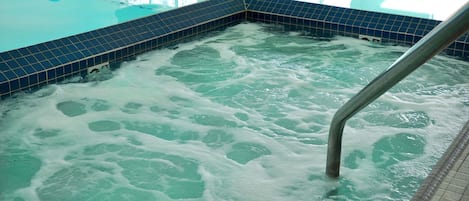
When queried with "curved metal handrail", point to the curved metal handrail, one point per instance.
{"points": [[430, 45]]}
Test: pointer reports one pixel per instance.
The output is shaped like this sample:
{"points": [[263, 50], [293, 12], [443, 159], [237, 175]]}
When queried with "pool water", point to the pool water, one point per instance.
{"points": [[241, 115]]}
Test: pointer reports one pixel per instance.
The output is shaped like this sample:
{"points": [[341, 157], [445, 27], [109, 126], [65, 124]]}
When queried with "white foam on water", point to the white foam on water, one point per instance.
{"points": [[276, 102]]}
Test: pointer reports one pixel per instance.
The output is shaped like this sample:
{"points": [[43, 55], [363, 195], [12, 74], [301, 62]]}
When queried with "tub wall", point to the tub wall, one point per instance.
{"points": [[31, 67]]}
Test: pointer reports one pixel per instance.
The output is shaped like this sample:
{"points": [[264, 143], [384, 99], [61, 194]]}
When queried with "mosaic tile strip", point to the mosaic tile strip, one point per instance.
{"points": [[452, 160], [330, 20], [53, 61]]}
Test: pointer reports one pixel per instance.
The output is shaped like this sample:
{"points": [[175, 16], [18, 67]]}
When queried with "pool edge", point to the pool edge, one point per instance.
{"points": [[437, 184]]}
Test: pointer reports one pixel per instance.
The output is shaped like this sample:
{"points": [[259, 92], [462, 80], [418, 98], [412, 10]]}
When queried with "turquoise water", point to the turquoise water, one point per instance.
{"points": [[241, 115], [28, 22]]}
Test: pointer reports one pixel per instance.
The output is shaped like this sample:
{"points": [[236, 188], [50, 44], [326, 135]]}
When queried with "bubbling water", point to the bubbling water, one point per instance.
{"points": [[242, 115]]}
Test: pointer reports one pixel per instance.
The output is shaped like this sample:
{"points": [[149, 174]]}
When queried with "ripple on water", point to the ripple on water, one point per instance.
{"points": [[175, 176], [81, 107], [211, 120], [216, 138], [131, 108], [162, 131], [43, 134], [71, 108], [17, 168], [244, 152], [390, 150], [410, 119], [104, 125]]}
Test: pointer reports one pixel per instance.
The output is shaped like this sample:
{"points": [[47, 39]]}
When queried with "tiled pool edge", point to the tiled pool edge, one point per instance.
{"points": [[440, 182], [53, 61]]}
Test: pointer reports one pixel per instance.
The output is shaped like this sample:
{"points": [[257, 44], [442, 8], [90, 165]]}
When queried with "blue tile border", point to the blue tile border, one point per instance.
{"points": [[51, 62]]}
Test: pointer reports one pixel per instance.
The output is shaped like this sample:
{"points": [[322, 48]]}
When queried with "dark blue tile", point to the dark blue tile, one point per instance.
{"points": [[98, 60], [5, 56], [458, 53], [33, 49], [50, 74], [88, 44], [12, 64], [24, 82], [42, 47], [3, 66], [29, 69], [86, 52], [59, 71], [90, 62], [46, 64], [42, 77], [348, 29], [31, 59], [59, 43], [4, 87], [74, 39], [362, 31], [75, 67], [409, 38], [56, 52], [67, 69], [378, 33], [71, 57], [466, 46], [2, 77], [22, 61], [63, 59], [14, 85], [71, 48], [83, 64], [24, 51], [50, 45], [54, 61], [20, 72], [417, 38], [33, 79], [10, 75], [15, 54], [401, 37], [459, 46], [37, 67], [419, 32], [80, 46], [48, 54]]}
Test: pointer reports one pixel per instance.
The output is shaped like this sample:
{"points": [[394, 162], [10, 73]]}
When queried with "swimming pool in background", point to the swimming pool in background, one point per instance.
{"points": [[242, 115], [29, 22]]}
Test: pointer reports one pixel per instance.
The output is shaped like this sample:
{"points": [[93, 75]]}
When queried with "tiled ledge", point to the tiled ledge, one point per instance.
{"points": [[449, 179]]}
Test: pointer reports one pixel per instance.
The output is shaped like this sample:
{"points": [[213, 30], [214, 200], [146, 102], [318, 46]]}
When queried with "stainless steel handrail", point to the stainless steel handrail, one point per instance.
{"points": [[430, 45]]}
